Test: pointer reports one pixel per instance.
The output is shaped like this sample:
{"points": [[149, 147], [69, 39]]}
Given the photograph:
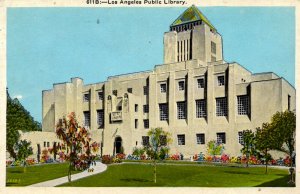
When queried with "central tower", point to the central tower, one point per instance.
{"points": [[192, 36]]}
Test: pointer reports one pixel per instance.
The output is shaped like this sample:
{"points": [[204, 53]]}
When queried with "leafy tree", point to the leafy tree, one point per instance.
{"points": [[17, 118], [23, 150], [158, 143], [77, 140], [214, 148], [265, 142], [248, 144], [283, 126]]}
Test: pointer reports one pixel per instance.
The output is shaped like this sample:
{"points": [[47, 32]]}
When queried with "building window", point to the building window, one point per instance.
{"points": [[100, 118], [213, 59], [146, 108], [289, 102], [146, 89], [86, 115], [200, 83], [221, 80], [145, 140], [200, 108], [146, 123], [221, 106], [181, 110], [163, 88], [115, 92], [181, 139], [200, 138], [119, 108], [163, 140], [240, 136], [48, 144], [221, 138], [100, 95], [181, 85], [109, 97], [136, 122], [213, 47], [136, 107], [86, 97], [129, 90], [243, 105], [44, 144], [163, 112]]}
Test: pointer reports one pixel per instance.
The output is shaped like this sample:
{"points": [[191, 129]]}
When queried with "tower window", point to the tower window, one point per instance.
{"points": [[163, 112], [221, 80], [146, 89], [136, 107], [100, 95], [181, 110], [200, 108], [221, 106], [86, 97], [200, 83], [136, 122], [163, 88], [243, 105], [129, 90], [181, 85], [213, 47], [115, 92], [289, 102]]}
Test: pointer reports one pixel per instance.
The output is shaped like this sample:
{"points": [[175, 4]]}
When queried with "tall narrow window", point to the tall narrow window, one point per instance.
{"points": [[86, 115], [146, 123], [146, 90], [163, 112], [213, 47], [136, 107], [136, 122], [146, 108], [200, 108], [221, 106], [240, 137], [243, 105], [289, 102], [177, 51], [181, 110], [100, 118]]}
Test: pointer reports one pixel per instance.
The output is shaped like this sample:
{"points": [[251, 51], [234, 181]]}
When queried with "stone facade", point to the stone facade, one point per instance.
{"points": [[195, 95]]}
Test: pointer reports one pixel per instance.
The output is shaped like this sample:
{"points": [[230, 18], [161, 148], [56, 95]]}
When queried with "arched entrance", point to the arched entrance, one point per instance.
{"points": [[118, 145]]}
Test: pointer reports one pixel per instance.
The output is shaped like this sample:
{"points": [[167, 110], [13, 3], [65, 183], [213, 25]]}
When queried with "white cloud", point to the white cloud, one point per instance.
{"points": [[18, 96]]}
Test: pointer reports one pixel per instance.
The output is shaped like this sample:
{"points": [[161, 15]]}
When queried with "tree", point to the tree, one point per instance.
{"points": [[283, 126], [158, 143], [248, 144], [17, 118], [265, 142], [23, 150], [77, 140]]}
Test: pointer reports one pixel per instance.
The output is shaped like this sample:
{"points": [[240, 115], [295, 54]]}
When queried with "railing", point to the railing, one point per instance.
{"points": [[116, 116]]}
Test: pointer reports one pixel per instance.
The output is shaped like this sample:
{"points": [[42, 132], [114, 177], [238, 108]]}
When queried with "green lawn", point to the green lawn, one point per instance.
{"points": [[35, 174], [141, 175]]}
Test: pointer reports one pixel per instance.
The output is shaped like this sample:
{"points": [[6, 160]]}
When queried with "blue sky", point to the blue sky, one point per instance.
{"points": [[51, 45]]}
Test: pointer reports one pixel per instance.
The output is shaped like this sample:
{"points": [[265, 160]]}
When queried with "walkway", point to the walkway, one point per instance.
{"points": [[52, 183]]}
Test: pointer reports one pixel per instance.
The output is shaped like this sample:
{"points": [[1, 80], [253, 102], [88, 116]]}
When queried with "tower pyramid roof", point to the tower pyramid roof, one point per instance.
{"points": [[191, 14]]}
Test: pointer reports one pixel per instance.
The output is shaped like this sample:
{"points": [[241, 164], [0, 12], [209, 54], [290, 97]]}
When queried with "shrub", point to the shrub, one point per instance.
{"points": [[107, 159], [121, 156]]}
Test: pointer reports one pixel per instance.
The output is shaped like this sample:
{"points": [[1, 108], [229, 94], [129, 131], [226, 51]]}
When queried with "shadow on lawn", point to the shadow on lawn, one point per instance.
{"points": [[280, 182], [135, 180], [236, 172]]}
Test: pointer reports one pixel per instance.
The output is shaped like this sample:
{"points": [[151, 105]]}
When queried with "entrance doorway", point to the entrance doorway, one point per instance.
{"points": [[118, 145]]}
